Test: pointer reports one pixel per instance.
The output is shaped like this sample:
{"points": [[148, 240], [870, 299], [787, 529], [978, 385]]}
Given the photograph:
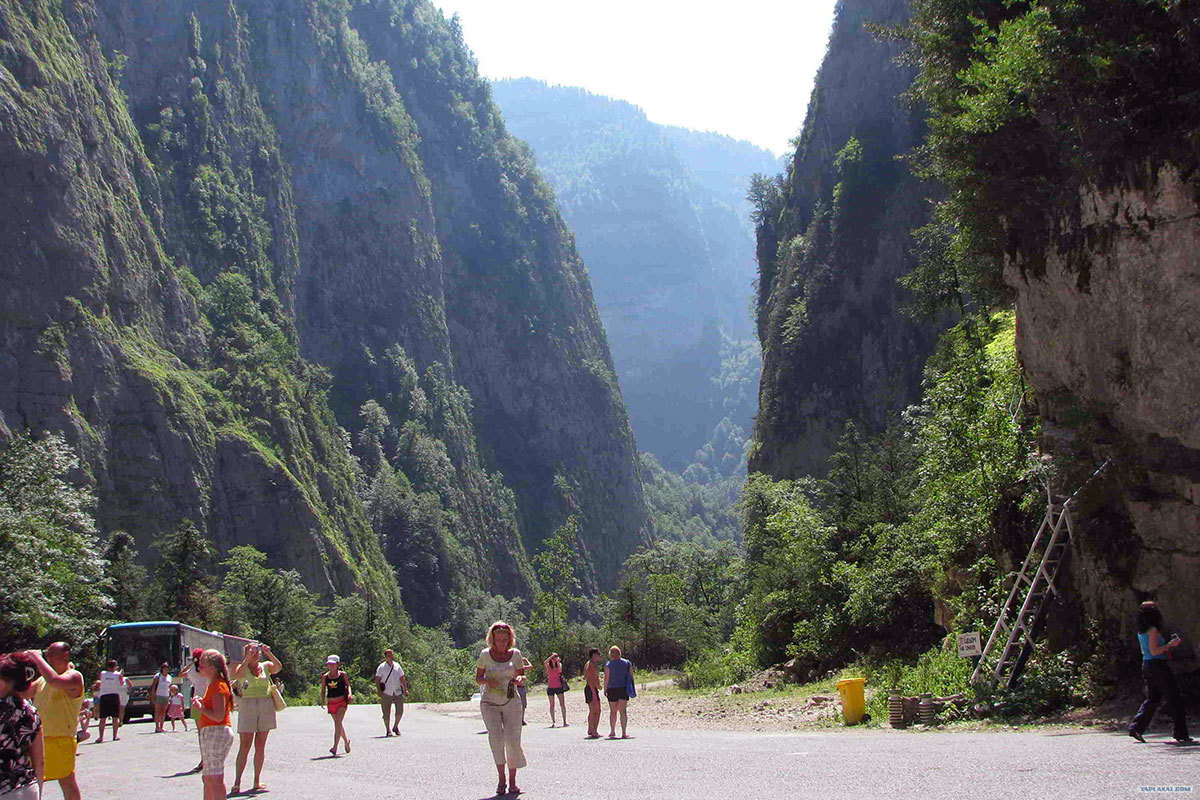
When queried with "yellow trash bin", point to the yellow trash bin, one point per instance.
{"points": [[854, 702]]}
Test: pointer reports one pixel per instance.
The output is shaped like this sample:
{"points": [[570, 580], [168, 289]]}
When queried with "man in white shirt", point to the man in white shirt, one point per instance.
{"points": [[392, 687]]}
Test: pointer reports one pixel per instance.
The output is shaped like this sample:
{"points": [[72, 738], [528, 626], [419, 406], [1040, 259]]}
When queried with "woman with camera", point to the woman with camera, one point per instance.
{"points": [[498, 672], [256, 709], [1156, 673]]}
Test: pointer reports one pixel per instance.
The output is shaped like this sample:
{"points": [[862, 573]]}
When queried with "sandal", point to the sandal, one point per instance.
{"points": [[501, 788]]}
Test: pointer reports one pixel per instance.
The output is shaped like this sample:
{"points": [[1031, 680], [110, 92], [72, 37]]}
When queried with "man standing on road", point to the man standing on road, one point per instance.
{"points": [[58, 698], [392, 686], [591, 692]]}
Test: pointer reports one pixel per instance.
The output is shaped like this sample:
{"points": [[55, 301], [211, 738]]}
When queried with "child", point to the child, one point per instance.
{"points": [[85, 718], [175, 707]]}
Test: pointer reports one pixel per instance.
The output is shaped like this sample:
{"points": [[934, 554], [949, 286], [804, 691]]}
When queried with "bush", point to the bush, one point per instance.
{"points": [[716, 667], [1051, 682], [940, 672]]}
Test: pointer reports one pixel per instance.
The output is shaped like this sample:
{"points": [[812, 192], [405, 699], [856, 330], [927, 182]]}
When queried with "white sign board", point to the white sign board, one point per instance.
{"points": [[970, 644]]}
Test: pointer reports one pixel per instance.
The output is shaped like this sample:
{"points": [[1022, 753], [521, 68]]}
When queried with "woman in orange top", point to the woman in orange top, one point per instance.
{"points": [[213, 722]]}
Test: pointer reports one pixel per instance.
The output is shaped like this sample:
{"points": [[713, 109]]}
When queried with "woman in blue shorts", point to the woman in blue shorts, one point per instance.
{"points": [[618, 674]]}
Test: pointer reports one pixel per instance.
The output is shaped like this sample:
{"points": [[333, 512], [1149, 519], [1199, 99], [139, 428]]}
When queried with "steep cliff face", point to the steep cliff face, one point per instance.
{"points": [[659, 215], [833, 238], [1112, 353], [1068, 149], [280, 187], [103, 338]]}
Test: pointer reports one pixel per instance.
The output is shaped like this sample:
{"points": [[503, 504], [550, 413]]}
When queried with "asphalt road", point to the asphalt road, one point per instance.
{"points": [[441, 756]]}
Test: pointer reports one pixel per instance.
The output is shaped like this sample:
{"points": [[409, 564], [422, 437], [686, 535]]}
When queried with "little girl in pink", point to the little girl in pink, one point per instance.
{"points": [[175, 707]]}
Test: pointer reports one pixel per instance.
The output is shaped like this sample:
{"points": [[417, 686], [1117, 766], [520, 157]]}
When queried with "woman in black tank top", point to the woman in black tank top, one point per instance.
{"points": [[336, 695]]}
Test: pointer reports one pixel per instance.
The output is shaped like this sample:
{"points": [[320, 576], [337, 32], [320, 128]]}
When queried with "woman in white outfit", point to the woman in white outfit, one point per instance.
{"points": [[498, 672]]}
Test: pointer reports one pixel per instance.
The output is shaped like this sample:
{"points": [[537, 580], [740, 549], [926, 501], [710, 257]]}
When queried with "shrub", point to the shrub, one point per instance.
{"points": [[715, 667]]}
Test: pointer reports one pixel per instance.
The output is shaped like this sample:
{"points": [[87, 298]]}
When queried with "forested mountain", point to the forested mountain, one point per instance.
{"points": [[279, 272], [660, 216]]}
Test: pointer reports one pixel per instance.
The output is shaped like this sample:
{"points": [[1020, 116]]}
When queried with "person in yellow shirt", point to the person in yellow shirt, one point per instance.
{"points": [[58, 698]]}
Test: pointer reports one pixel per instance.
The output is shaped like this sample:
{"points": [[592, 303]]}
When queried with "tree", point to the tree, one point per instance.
{"points": [[272, 606], [52, 582], [555, 568], [126, 576], [185, 577]]}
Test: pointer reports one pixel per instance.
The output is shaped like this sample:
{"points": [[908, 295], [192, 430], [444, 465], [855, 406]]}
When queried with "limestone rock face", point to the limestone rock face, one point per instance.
{"points": [[1109, 339], [837, 345]]}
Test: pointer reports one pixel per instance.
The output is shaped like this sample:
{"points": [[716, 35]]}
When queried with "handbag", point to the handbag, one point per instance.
{"points": [[277, 698]]}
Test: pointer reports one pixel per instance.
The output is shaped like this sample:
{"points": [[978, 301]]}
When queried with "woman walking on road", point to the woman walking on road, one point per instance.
{"points": [[256, 710], [1156, 673], [160, 694], [498, 672], [336, 696], [212, 720], [618, 674], [556, 686]]}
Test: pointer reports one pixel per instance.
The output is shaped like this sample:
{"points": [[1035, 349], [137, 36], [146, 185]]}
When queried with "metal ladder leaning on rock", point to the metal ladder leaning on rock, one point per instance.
{"points": [[1028, 601]]}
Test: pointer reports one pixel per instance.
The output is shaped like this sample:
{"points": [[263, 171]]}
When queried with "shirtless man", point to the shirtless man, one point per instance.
{"points": [[58, 699], [591, 692]]}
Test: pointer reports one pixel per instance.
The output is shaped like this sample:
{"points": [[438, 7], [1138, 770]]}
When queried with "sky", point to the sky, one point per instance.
{"points": [[742, 68]]}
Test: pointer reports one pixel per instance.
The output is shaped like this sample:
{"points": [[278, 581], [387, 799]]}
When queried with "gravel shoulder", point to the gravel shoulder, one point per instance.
{"points": [[662, 706]]}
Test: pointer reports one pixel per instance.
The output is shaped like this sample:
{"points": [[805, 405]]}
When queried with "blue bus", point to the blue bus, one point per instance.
{"points": [[140, 647]]}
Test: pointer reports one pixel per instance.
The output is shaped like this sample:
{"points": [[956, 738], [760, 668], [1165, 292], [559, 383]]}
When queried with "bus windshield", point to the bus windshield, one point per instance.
{"points": [[140, 651]]}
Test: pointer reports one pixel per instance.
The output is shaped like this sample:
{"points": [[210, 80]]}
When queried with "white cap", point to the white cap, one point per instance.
{"points": [[333, 660]]}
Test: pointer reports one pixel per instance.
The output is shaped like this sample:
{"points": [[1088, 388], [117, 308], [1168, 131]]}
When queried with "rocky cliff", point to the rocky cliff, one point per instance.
{"points": [[1068, 149], [833, 238], [236, 230], [1112, 352]]}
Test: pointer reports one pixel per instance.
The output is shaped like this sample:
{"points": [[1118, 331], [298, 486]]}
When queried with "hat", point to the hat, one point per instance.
{"points": [[333, 660], [197, 652]]}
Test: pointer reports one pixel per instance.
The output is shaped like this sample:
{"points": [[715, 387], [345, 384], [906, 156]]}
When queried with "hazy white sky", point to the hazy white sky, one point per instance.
{"points": [[742, 68]]}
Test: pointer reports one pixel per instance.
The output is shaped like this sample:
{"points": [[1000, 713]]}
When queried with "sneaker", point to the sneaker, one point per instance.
{"points": [[1136, 735]]}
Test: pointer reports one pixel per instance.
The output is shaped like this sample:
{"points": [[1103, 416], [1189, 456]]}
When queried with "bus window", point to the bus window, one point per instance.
{"points": [[140, 650]]}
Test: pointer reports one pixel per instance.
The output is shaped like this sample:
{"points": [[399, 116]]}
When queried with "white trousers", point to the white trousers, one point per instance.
{"points": [[504, 732]]}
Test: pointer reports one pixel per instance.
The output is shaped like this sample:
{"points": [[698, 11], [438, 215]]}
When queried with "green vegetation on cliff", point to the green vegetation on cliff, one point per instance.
{"points": [[286, 281], [918, 517], [833, 239], [1030, 103]]}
